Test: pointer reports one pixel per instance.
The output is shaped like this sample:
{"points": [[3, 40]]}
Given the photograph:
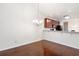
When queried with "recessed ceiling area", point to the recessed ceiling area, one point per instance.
{"points": [[58, 10]]}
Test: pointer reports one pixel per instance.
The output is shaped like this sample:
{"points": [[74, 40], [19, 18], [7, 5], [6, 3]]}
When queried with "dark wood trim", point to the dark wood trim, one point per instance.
{"points": [[50, 24]]}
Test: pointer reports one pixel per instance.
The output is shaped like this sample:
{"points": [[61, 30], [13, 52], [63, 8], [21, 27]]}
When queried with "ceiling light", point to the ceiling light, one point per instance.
{"points": [[67, 17], [38, 22], [48, 20]]}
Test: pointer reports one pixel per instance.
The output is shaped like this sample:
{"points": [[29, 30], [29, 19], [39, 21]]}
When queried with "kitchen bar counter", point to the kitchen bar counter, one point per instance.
{"points": [[66, 38]]}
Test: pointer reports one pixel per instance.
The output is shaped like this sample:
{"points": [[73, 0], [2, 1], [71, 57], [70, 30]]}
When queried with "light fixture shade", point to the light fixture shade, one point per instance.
{"points": [[67, 17], [38, 22], [35, 21]]}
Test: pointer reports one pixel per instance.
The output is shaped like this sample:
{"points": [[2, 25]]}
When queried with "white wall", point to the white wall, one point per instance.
{"points": [[73, 24], [16, 26], [68, 39]]}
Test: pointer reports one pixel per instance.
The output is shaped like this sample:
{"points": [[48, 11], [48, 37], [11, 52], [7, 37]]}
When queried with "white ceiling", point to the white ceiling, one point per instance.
{"points": [[58, 10]]}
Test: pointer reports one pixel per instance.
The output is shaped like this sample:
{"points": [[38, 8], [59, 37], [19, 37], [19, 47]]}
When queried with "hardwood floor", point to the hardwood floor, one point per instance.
{"points": [[33, 49], [41, 48], [52, 48]]}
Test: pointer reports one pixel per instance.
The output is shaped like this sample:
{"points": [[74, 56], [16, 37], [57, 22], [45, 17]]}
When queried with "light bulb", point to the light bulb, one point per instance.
{"points": [[67, 17]]}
